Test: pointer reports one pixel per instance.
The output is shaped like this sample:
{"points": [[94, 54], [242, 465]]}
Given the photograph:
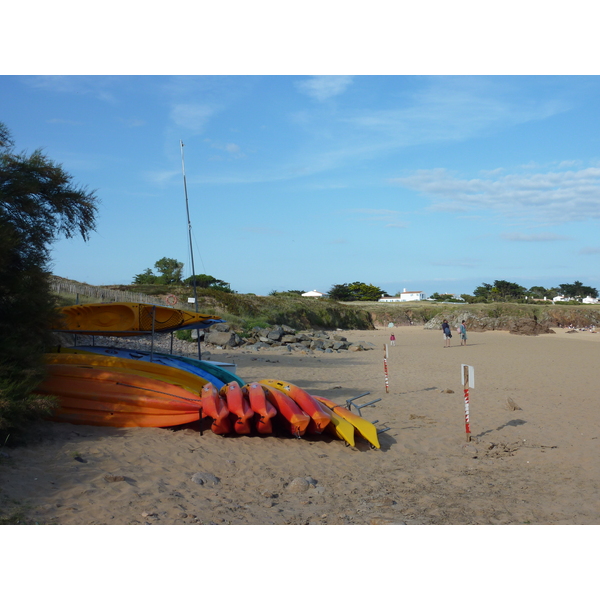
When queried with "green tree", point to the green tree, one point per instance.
{"points": [[170, 270], [288, 293], [340, 292], [147, 277], [483, 292], [348, 292], [38, 204], [577, 290], [209, 282]]}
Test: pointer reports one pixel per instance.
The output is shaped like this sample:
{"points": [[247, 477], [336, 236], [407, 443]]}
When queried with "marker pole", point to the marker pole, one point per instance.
{"points": [[466, 392], [385, 368]]}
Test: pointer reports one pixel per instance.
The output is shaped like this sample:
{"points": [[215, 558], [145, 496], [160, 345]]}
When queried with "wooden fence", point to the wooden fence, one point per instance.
{"points": [[103, 294]]}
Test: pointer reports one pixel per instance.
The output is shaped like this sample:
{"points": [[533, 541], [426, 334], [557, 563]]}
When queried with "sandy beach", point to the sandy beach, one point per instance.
{"points": [[534, 416]]}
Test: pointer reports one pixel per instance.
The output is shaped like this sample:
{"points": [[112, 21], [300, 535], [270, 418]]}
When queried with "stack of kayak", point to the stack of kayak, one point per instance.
{"points": [[102, 385]]}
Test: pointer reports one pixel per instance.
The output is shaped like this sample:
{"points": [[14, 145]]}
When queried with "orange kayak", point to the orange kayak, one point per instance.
{"points": [[214, 406], [185, 379], [90, 396], [295, 419], [263, 410], [239, 407], [319, 419]]}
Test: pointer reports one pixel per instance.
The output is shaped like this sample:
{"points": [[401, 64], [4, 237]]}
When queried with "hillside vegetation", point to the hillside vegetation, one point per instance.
{"points": [[245, 311], [481, 317]]}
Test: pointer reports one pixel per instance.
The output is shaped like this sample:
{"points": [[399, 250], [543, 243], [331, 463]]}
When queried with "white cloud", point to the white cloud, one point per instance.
{"points": [[69, 84], [161, 177], [534, 237], [323, 87], [557, 196], [191, 116], [590, 250]]}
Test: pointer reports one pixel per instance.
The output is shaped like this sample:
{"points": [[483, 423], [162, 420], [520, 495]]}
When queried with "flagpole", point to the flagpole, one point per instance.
{"points": [[187, 208]]}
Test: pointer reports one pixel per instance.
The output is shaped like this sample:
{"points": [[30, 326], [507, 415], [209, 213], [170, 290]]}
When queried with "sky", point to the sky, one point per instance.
{"points": [[296, 182]]}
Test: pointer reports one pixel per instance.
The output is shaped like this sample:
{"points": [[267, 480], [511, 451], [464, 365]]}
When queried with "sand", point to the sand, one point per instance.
{"points": [[533, 459]]}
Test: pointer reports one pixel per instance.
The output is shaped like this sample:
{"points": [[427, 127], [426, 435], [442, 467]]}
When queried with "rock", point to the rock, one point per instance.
{"points": [[223, 338], [528, 327], [298, 485], [223, 327], [205, 479]]}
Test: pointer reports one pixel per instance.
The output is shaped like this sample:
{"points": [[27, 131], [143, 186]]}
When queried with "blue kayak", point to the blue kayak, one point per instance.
{"points": [[162, 359]]}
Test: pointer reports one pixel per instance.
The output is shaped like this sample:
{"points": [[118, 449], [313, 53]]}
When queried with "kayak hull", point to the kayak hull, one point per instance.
{"points": [[129, 318], [264, 411], [365, 428], [318, 418], [239, 408], [294, 419], [94, 396], [214, 406]]}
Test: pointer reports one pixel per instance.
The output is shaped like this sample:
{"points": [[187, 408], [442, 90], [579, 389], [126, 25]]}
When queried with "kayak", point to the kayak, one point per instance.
{"points": [[338, 426], [294, 418], [128, 318], [239, 408], [151, 358], [100, 396], [214, 406], [214, 368], [264, 411], [318, 418], [172, 375], [365, 428]]}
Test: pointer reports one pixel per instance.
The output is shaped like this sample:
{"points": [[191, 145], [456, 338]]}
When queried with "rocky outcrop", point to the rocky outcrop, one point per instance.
{"points": [[282, 336], [515, 325], [528, 327]]}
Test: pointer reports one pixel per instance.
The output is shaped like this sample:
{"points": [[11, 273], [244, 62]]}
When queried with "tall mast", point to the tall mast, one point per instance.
{"points": [[187, 208]]}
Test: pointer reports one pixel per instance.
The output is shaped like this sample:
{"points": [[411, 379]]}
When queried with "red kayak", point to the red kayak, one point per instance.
{"points": [[318, 418], [239, 408], [264, 411], [295, 419], [214, 407]]}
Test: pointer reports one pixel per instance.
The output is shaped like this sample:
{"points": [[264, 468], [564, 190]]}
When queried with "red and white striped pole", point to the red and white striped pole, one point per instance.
{"points": [[465, 378], [385, 369], [467, 427]]}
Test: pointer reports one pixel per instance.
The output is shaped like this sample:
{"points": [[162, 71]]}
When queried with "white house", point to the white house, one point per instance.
{"points": [[590, 300], [405, 297], [313, 294]]}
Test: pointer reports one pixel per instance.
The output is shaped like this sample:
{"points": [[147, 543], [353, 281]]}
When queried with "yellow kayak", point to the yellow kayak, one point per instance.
{"points": [[364, 427], [338, 425], [129, 318], [172, 375]]}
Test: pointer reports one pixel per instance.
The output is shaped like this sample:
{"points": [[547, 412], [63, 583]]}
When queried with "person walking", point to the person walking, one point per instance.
{"points": [[447, 333], [392, 340], [463, 334]]}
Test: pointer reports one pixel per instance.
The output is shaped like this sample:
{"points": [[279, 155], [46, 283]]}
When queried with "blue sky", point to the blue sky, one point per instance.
{"points": [[432, 183]]}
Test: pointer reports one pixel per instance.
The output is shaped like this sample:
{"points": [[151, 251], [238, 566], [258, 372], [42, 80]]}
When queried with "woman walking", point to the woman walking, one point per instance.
{"points": [[463, 334], [447, 333]]}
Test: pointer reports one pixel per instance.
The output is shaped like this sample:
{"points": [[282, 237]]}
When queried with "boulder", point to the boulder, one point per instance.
{"points": [[223, 338]]}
